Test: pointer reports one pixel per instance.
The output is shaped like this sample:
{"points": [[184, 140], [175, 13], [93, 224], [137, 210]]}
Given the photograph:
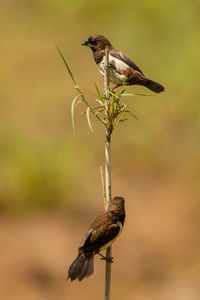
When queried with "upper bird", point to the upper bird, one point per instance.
{"points": [[122, 70]]}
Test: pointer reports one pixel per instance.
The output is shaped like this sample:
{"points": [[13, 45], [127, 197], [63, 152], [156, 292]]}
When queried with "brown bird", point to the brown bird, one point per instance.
{"points": [[102, 233], [122, 70]]}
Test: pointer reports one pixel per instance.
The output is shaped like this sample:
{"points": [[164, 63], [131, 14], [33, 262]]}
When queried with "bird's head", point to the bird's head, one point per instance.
{"points": [[97, 42], [117, 205], [118, 200]]}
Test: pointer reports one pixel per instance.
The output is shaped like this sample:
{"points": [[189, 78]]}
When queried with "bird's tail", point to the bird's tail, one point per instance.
{"points": [[152, 85], [82, 266]]}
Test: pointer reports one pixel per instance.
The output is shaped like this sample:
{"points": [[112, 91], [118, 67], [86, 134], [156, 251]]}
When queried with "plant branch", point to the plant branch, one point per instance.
{"points": [[103, 185], [108, 133]]}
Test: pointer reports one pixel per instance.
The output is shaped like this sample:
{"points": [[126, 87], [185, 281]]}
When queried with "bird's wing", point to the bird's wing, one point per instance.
{"points": [[121, 56], [86, 238], [102, 231]]}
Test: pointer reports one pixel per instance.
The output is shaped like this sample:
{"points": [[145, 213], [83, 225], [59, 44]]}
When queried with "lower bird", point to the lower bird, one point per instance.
{"points": [[122, 70], [102, 233]]}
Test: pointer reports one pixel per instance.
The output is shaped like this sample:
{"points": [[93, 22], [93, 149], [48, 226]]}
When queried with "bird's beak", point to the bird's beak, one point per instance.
{"points": [[86, 43]]}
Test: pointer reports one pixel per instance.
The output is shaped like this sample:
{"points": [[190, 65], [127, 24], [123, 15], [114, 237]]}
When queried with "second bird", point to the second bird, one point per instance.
{"points": [[102, 233], [122, 70]]}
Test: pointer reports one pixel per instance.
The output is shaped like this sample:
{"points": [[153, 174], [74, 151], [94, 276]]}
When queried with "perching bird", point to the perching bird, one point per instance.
{"points": [[102, 233], [122, 70]]}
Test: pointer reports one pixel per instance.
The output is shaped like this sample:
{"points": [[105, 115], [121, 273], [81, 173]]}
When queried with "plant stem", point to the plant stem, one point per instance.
{"points": [[107, 168], [103, 186], [108, 133], [108, 199]]}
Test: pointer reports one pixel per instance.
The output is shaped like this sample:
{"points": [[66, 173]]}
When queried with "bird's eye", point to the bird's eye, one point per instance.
{"points": [[92, 42]]}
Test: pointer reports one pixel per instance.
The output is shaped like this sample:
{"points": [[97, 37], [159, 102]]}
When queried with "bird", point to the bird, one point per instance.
{"points": [[122, 70], [101, 234]]}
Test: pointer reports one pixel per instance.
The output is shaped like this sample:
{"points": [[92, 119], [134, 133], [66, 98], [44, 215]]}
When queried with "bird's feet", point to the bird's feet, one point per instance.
{"points": [[112, 90], [108, 259], [115, 87]]}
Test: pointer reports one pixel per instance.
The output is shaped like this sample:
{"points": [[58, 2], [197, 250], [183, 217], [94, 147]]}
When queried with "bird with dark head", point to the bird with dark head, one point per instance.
{"points": [[101, 234], [122, 70]]}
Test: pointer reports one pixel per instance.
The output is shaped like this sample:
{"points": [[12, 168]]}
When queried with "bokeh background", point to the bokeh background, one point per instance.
{"points": [[50, 188]]}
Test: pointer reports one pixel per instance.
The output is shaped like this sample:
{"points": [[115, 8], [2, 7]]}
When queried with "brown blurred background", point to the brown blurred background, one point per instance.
{"points": [[50, 188]]}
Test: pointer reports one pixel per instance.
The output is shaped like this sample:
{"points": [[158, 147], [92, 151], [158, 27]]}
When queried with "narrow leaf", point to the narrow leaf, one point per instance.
{"points": [[101, 102], [130, 113], [122, 92], [68, 69], [134, 95], [72, 111], [99, 111], [88, 118], [113, 94], [98, 91], [83, 113], [122, 120]]}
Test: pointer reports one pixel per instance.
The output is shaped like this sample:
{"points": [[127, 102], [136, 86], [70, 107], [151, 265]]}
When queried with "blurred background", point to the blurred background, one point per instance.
{"points": [[50, 188]]}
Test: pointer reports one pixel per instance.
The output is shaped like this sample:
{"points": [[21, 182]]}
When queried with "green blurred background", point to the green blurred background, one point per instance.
{"points": [[50, 188]]}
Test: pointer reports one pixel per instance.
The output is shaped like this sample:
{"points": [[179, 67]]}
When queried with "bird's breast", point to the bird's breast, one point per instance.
{"points": [[117, 69]]}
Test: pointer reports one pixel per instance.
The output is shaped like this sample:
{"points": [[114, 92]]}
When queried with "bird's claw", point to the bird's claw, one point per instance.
{"points": [[115, 87], [108, 259]]}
